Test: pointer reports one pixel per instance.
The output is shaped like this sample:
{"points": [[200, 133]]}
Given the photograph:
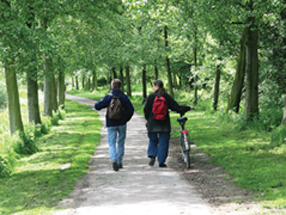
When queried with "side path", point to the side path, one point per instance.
{"points": [[135, 189]]}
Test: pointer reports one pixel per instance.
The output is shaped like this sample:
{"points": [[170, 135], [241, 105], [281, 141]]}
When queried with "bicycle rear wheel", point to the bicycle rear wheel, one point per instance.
{"points": [[186, 157]]}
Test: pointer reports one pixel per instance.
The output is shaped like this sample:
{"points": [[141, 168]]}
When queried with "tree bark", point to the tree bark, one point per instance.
{"points": [[122, 78], [114, 73], [33, 99], [61, 82], [144, 85], [236, 90], [195, 73], [216, 88], [76, 82], [156, 71], [251, 72], [94, 80], [48, 107], [15, 119], [129, 93], [83, 81], [168, 63], [283, 123]]}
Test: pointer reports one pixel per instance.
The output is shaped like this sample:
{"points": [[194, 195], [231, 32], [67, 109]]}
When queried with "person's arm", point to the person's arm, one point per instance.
{"points": [[174, 106], [129, 109], [148, 106], [103, 103]]}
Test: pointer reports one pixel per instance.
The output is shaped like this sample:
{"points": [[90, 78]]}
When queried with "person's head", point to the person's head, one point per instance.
{"points": [[158, 85], [115, 84]]}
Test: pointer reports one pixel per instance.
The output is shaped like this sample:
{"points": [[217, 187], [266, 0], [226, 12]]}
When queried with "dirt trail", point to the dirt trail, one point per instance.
{"points": [[135, 189]]}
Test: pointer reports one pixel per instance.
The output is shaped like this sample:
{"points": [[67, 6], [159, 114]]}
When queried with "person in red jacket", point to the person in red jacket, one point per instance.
{"points": [[159, 130]]}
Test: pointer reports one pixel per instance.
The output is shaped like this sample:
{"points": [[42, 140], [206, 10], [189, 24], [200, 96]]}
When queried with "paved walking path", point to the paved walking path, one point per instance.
{"points": [[136, 189]]}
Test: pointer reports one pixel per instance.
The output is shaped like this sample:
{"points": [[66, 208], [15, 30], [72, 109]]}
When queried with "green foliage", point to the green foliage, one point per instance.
{"points": [[41, 180], [3, 96], [278, 137], [26, 145]]}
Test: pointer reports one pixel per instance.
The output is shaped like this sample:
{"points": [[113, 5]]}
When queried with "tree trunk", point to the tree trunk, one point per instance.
{"points": [[195, 78], [156, 71], [251, 71], [144, 85], [122, 78], [88, 84], [216, 88], [283, 123], [94, 80], [72, 82], [61, 82], [236, 90], [48, 107], [76, 82], [168, 63], [83, 81], [129, 93], [33, 99], [114, 73], [15, 119]]}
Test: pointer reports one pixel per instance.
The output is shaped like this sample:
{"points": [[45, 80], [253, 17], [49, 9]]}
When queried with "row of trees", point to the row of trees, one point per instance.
{"points": [[185, 41]]}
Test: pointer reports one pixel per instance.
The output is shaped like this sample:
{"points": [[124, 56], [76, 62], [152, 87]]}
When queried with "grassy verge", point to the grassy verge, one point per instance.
{"points": [[41, 180], [246, 155]]}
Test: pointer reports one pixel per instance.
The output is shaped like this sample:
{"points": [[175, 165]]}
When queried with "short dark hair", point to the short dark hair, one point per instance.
{"points": [[115, 84]]}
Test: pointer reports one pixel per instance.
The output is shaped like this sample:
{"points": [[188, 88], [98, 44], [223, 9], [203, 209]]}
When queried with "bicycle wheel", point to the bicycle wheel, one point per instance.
{"points": [[187, 160]]}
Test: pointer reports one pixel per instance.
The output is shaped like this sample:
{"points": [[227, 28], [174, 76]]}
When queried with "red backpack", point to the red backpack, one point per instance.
{"points": [[160, 108]]}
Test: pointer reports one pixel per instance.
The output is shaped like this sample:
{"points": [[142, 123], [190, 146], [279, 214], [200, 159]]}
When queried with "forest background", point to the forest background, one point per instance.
{"points": [[226, 58]]}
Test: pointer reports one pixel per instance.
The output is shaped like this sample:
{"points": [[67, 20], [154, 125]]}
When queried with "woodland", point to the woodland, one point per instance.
{"points": [[229, 52]]}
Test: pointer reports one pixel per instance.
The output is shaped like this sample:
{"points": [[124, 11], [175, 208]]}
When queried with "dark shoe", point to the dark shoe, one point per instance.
{"points": [[162, 165], [152, 161], [120, 166], [115, 165]]}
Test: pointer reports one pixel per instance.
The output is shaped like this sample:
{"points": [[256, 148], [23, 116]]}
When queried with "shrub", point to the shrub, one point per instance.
{"points": [[278, 137], [26, 144]]}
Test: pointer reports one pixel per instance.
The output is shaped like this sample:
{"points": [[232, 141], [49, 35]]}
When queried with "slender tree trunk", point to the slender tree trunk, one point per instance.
{"points": [[236, 90], [15, 119], [72, 82], [114, 73], [144, 85], [196, 69], [129, 93], [122, 78], [33, 99], [62, 83], [156, 71], [48, 107], [94, 80], [83, 81], [76, 83], [216, 88], [168, 63], [88, 84], [251, 72], [283, 123], [54, 94], [32, 85]]}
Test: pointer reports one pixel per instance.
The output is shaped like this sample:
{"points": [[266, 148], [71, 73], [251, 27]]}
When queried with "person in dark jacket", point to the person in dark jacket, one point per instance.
{"points": [[159, 130], [116, 129]]}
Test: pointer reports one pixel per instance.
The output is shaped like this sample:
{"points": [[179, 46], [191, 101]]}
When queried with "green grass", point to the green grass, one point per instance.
{"points": [[39, 181], [246, 155]]}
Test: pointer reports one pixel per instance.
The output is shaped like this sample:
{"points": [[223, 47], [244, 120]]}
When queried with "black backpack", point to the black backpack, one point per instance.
{"points": [[115, 110]]}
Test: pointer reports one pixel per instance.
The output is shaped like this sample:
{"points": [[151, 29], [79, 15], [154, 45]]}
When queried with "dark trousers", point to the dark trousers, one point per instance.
{"points": [[158, 145]]}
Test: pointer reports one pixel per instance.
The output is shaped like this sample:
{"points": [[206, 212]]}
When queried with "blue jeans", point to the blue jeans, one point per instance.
{"points": [[158, 145], [116, 133]]}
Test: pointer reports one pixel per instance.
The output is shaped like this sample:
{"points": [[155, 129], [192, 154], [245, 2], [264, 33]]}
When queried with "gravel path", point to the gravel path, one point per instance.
{"points": [[137, 188]]}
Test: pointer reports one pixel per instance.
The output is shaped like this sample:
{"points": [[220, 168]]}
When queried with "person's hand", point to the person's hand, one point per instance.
{"points": [[192, 107]]}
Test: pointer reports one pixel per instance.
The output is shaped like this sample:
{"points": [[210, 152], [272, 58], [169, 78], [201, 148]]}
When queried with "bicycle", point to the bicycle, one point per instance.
{"points": [[185, 144]]}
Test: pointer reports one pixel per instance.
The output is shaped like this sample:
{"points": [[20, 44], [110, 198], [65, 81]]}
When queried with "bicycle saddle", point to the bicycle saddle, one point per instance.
{"points": [[182, 119]]}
